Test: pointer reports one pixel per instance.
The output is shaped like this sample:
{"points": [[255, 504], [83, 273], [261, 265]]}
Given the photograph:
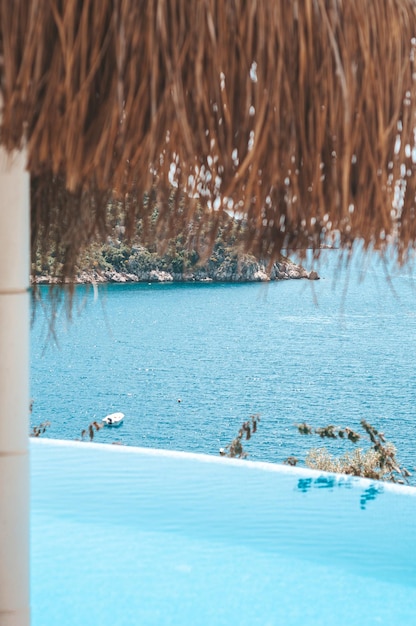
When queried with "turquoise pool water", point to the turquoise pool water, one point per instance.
{"points": [[124, 536]]}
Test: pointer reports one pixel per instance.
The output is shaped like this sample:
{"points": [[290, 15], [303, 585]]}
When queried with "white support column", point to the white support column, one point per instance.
{"points": [[14, 390]]}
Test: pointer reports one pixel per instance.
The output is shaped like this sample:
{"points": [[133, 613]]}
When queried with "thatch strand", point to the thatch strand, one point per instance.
{"points": [[297, 116]]}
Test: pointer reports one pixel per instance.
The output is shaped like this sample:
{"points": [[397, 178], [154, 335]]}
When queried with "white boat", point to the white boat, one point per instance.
{"points": [[114, 419]]}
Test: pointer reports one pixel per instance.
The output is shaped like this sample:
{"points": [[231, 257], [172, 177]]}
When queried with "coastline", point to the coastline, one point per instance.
{"points": [[242, 270]]}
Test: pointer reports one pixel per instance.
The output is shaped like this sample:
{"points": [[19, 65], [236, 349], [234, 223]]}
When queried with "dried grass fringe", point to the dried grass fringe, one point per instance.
{"points": [[298, 116]]}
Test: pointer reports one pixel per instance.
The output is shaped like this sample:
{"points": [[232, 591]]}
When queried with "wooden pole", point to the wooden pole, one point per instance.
{"points": [[14, 390]]}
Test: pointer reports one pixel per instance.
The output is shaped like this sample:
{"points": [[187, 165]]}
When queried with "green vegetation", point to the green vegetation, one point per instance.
{"points": [[183, 253], [185, 257]]}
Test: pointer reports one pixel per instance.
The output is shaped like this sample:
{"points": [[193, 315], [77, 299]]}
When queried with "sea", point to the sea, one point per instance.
{"points": [[188, 363]]}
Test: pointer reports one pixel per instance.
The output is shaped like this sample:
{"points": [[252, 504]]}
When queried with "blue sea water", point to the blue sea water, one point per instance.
{"points": [[334, 351]]}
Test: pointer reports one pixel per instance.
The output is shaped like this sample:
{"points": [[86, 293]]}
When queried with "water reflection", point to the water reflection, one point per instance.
{"points": [[369, 494], [331, 482]]}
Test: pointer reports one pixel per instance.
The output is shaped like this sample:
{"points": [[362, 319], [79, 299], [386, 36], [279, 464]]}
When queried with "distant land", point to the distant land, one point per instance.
{"points": [[118, 261]]}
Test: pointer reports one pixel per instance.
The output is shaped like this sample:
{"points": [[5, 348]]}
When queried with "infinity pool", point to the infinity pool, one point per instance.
{"points": [[124, 536]]}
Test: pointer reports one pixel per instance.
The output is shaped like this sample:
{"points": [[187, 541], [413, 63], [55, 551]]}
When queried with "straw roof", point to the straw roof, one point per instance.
{"points": [[297, 116]]}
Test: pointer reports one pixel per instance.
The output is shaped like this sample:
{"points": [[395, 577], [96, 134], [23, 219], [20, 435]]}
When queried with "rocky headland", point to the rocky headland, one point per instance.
{"points": [[136, 269]]}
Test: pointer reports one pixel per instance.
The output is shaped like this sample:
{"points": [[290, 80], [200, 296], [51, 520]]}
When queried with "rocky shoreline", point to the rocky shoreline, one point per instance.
{"points": [[243, 270]]}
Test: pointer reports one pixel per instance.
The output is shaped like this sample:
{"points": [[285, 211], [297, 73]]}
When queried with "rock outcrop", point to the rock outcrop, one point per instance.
{"points": [[244, 269]]}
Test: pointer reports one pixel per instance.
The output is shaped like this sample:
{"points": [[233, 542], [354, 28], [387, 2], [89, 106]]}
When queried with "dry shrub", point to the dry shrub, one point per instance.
{"points": [[235, 448], [359, 462], [39, 429], [378, 462], [93, 427]]}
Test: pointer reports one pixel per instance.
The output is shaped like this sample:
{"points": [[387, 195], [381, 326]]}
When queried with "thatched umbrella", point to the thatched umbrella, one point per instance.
{"points": [[298, 117]]}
